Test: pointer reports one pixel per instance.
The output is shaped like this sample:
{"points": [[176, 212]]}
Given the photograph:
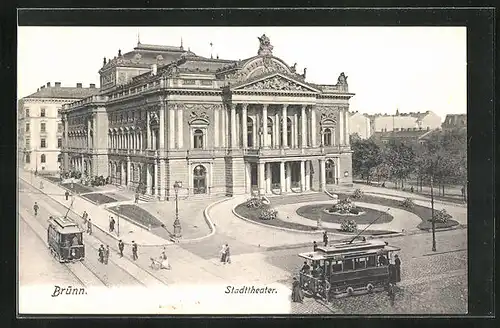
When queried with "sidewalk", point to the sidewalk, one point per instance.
{"points": [[98, 214], [401, 219]]}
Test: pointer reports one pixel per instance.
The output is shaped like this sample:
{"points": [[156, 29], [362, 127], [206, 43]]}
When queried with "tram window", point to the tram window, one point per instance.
{"points": [[337, 266], [75, 239], [348, 265], [360, 263], [372, 261]]}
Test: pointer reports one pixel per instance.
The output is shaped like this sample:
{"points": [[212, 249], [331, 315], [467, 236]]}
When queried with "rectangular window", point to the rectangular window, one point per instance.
{"points": [[28, 143], [43, 127], [42, 112], [28, 158], [59, 142], [27, 111], [43, 143], [27, 127], [59, 127]]}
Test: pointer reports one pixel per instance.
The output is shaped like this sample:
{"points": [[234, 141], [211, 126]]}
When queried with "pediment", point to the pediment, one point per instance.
{"points": [[275, 82]]}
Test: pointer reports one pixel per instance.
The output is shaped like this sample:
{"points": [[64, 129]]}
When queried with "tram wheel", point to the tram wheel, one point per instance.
{"points": [[369, 288], [350, 291]]}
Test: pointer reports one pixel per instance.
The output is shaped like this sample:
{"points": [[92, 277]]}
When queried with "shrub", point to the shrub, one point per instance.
{"points": [[344, 206], [254, 203], [441, 216], [355, 210], [408, 203], [357, 194], [348, 226], [268, 214]]}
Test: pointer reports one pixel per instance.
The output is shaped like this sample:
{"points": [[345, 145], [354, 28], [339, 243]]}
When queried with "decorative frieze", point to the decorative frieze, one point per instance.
{"points": [[276, 83]]}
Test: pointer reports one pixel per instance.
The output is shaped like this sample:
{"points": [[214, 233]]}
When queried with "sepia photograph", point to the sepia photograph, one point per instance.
{"points": [[242, 170]]}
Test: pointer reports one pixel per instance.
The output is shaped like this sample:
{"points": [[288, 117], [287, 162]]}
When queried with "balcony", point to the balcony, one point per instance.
{"points": [[200, 153], [290, 152]]}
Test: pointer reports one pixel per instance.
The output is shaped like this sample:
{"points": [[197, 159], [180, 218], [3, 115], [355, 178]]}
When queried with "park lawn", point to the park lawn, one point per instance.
{"points": [[253, 215], [100, 198], [78, 188], [137, 214], [426, 225], [53, 179], [312, 212]]}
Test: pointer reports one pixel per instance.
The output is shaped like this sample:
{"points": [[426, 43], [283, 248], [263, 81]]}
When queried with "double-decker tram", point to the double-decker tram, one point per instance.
{"points": [[65, 240], [347, 267]]}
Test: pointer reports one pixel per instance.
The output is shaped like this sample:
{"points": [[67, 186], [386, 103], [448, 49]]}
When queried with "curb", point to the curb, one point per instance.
{"points": [[100, 228]]}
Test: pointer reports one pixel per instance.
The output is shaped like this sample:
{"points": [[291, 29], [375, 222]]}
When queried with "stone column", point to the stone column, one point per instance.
{"points": [[216, 126], [224, 126], [322, 183], [171, 127], [341, 127], [128, 171], [268, 177], [88, 134], [276, 130], [302, 176], [264, 126], [282, 176], [234, 136], [284, 126], [148, 131], [347, 126], [163, 173], [295, 131], [255, 135], [313, 126], [248, 181], [148, 179], [337, 170], [180, 130], [161, 129], [244, 128], [122, 174], [289, 176], [303, 137], [262, 179], [157, 185], [308, 175], [211, 178]]}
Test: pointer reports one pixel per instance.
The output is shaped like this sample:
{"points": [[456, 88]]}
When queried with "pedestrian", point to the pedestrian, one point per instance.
{"points": [[228, 255], [35, 208], [89, 227], [136, 200], [111, 224], [223, 254], [106, 255], [411, 189], [84, 217], [315, 246], [134, 251], [41, 184], [101, 254], [297, 293], [391, 292], [397, 264], [121, 246], [66, 194], [325, 238]]}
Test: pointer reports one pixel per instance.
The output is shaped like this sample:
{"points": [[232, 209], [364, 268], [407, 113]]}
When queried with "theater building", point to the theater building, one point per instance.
{"points": [[218, 126]]}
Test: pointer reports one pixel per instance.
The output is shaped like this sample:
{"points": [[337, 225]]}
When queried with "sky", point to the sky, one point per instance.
{"points": [[407, 68]]}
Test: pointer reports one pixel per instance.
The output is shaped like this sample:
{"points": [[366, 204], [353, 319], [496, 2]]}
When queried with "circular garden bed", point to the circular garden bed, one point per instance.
{"points": [[313, 212]]}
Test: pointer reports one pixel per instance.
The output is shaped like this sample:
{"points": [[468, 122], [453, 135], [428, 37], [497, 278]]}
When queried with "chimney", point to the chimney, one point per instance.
{"points": [[48, 84], [42, 87], [154, 69], [58, 84], [78, 85], [92, 85]]}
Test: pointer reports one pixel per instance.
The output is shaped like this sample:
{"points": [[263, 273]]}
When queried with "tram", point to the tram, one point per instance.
{"points": [[344, 268], [65, 240]]}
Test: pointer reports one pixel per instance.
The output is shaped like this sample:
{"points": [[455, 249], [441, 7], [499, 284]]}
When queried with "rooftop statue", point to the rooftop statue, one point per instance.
{"points": [[265, 46], [342, 79]]}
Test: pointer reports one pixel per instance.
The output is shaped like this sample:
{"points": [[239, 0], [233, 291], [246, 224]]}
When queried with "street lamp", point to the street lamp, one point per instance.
{"points": [[177, 223], [432, 216], [118, 220]]}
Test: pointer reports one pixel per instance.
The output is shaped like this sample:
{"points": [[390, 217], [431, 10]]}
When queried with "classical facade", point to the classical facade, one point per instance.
{"points": [[219, 126], [40, 129]]}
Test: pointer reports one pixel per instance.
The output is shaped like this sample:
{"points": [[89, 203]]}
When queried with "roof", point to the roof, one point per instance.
{"points": [[64, 225], [64, 92], [400, 134], [202, 64], [455, 120]]}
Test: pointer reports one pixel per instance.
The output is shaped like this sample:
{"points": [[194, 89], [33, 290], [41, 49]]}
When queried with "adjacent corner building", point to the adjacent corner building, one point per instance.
{"points": [[165, 115]]}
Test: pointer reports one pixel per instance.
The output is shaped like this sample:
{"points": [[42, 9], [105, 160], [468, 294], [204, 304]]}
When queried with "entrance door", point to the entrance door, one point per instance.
{"points": [[199, 180]]}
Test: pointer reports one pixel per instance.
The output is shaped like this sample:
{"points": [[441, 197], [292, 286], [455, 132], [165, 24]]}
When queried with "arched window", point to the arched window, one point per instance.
{"points": [[330, 172], [42, 158], [289, 131], [327, 137], [270, 139], [198, 139], [250, 132], [199, 180]]}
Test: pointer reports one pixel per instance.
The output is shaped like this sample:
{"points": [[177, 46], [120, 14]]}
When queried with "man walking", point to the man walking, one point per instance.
{"points": [[111, 224], [101, 254], [134, 251], [66, 194], [35, 208], [325, 238], [121, 246], [84, 217], [315, 246], [89, 227], [106, 255], [397, 264]]}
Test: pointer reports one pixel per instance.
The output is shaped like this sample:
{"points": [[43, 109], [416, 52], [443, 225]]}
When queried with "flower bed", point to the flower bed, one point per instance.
{"points": [[344, 207], [366, 216]]}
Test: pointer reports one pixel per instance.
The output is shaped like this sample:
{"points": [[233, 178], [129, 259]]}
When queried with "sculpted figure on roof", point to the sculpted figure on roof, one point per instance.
{"points": [[265, 47], [342, 79]]}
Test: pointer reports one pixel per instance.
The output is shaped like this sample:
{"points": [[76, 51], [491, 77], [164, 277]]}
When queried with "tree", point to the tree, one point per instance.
{"points": [[401, 159], [365, 157]]}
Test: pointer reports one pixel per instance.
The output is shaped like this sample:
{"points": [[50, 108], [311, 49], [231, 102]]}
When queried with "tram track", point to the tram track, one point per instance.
{"points": [[90, 265]]}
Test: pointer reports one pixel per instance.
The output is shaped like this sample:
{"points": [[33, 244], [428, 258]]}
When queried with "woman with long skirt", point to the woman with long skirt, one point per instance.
{"points": [[297, 293]]}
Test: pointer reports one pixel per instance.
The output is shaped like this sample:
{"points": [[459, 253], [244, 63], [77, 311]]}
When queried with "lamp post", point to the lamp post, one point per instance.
{"points": [[118, 221], [432, 216], [177, 223]]}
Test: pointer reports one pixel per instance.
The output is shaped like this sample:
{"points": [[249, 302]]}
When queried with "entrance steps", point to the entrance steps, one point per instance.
{"points": [[147, 198]]}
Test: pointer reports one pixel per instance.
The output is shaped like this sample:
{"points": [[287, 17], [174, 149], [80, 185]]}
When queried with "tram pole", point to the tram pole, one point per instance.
{"points": [[350, 242], [432, 216], [118, 220]]}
